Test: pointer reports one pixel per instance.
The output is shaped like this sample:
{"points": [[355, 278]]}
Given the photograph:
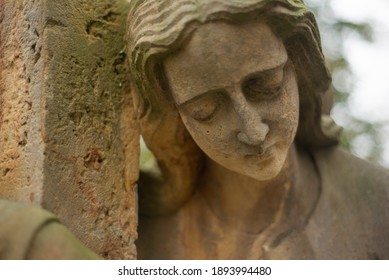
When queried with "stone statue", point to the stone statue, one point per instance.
{"points": [[229, 97], [33, 233]]}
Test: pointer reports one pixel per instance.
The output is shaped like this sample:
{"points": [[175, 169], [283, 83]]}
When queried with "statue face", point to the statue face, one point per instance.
{"points": [[237, 95]]}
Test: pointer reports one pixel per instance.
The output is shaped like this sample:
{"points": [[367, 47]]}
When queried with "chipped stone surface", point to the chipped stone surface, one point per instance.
{"points": [[69, 141]]}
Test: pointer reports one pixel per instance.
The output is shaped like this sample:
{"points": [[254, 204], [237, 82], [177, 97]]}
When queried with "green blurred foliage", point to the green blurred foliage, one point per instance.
{"points": [[360, 137]]}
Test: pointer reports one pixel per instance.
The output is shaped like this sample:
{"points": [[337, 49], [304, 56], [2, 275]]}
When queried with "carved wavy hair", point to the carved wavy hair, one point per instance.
{"points": [[159, 27]]}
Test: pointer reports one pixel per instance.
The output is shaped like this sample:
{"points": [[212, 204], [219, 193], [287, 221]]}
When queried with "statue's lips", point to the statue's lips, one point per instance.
{"points": [[264, 151]]}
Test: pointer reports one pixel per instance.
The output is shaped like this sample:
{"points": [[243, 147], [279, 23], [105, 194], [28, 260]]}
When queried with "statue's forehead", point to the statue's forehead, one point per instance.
{"points": [[220, 52]]}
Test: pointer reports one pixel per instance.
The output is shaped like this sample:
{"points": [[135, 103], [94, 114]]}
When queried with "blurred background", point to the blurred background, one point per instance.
{"points": [[355, 37]]}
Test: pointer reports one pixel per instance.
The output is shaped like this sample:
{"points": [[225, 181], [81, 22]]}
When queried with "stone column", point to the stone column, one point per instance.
{"points": [[68, 138]]}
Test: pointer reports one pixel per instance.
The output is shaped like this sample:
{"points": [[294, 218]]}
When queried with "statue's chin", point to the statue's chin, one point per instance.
{"points": [[266, 173], [257, 167]]}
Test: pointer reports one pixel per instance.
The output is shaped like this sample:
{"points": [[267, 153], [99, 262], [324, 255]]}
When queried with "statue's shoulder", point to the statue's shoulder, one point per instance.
{"points": [[338, 165], [354, 204], [358, 181]]}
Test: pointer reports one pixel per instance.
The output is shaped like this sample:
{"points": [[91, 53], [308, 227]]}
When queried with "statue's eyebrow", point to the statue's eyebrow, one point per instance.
{"points": [[264, 71], [200, 96]]}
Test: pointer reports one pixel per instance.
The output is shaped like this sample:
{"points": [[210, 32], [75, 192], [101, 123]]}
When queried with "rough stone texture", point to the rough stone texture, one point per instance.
{"points": [[69, 141], [21, 146]]}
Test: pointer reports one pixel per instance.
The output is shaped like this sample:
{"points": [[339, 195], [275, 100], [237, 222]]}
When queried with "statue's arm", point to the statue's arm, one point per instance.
{"points": [[28, 232], [179, 161], [55, 242]]}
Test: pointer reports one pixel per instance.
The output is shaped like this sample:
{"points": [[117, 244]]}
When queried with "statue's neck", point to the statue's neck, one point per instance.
{"points": [[244, 203]]}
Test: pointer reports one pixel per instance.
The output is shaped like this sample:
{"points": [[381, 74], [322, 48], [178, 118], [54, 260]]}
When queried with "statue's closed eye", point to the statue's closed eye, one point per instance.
{"points": [[264, 86], [204, 108]]}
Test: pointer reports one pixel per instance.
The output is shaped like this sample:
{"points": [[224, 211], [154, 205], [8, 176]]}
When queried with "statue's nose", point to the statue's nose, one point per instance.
{"points": [[252, 129], [254, 133]]}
